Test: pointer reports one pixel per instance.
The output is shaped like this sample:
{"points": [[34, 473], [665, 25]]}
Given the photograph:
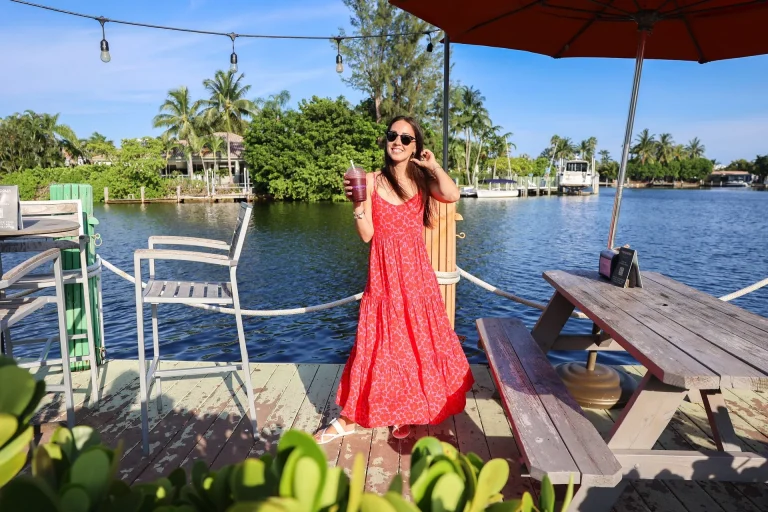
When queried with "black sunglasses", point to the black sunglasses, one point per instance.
{"points": [[404, 137]]}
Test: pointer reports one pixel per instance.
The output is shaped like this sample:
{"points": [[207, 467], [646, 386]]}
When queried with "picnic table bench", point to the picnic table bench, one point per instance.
{"points": [[551, 431], [687, 340]]}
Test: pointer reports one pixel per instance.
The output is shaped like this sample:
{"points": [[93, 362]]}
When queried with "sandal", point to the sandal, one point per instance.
{"points": [[325, 437], [401, 431]]}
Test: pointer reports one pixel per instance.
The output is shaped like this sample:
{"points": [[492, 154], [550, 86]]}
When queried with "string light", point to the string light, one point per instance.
{"points": [[105, 57], [233, 57], [339, 61]]}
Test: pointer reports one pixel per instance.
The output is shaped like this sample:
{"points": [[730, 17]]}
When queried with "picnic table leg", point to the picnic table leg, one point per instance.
{"points": [[640, 425], [722, 429], [552, 321]]}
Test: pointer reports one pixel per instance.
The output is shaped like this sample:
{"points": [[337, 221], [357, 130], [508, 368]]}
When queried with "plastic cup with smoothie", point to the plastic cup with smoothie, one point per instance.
{"points": [[357, 180]]}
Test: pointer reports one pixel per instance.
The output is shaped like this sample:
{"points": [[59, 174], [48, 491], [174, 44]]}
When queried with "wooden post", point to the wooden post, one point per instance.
{"points": [[178, 194], [441, 247], [106, 195], [142, 195]]}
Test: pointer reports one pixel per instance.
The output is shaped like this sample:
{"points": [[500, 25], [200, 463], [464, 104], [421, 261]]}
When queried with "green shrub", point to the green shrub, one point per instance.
{"points": [[19, 396]]}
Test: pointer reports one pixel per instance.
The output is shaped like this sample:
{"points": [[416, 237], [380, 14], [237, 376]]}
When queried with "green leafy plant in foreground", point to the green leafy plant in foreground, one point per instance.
{"points": [[19, 396], [74, 472]]}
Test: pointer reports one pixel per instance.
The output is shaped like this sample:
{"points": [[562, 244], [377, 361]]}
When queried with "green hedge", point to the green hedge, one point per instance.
{"points": [[121, 180]]}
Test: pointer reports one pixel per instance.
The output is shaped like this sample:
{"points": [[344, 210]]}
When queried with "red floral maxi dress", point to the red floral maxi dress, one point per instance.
{"points": [[407, 366]]}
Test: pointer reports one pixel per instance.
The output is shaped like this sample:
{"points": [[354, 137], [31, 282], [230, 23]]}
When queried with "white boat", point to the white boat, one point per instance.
{"points": [[468, 192], [498, 187], [575, 174]]}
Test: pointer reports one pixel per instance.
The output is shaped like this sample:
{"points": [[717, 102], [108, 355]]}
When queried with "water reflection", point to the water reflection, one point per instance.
{"points": [[300, 254]]}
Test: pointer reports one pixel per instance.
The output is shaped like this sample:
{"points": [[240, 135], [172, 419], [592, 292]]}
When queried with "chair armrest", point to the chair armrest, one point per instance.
{"points": [[28, 266], [171, 254], [187, 240]]}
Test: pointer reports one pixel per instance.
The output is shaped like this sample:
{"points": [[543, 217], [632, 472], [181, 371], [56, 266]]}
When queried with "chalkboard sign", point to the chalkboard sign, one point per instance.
{"points": [[10, 208], [627, 270]]}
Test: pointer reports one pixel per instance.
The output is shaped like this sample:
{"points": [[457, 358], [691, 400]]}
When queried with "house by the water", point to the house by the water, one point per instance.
{"points": [[729, 179], [206, 159]]}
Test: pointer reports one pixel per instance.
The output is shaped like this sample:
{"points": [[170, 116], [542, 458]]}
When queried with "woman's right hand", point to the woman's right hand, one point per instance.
{"points": [[348, 192]]}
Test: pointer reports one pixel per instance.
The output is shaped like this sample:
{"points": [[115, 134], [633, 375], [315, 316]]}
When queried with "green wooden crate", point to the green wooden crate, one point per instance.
{"points": [[76, 319]]}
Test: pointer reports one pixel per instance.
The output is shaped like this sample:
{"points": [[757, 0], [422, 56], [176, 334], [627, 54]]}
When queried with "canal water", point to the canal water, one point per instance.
{"points": [[300, 254]]}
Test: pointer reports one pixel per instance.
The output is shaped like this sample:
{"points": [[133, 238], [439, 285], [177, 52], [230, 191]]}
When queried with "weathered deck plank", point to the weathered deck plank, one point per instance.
{"points": [[311, 410], [285, 410], [684, 434], [192, 397], [383, 462], [241, 441], [205, 418], [208, 444], [331, 412]]}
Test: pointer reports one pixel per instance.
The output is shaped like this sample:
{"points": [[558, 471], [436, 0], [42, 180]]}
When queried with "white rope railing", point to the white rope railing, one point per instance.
{"points": [[482, 284], [248, 312], [442, 278], [744, 291]]}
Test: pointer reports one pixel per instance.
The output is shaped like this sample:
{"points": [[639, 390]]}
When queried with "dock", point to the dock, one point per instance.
{"points": [[203, 418], [229, 195]]}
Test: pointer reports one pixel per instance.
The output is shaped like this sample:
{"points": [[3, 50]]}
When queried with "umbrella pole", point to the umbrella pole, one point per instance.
{"points": [[594, 385], [446, 97], [643, 34]]}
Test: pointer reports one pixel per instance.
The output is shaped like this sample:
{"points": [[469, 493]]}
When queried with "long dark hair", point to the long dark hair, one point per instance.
{"points": [[419, 176]]}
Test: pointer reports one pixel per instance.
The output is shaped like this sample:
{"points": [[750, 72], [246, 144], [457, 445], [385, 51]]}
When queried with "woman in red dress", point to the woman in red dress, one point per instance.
{"points": [[407, 366]]}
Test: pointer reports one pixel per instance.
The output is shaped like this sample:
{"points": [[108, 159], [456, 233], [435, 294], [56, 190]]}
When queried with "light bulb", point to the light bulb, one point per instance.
{"points": [[339, 64], [105, 51], [233, 62]]}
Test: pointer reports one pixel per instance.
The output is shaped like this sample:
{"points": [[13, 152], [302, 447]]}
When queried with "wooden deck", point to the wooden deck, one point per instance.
{"points": [[201, 418]]}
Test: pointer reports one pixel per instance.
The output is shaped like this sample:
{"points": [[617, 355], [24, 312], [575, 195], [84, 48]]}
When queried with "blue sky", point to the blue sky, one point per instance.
{"points": [[50, 63]]}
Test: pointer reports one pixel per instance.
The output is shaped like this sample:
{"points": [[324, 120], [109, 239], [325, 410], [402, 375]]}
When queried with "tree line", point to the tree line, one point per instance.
{"points": [[301, 153]]}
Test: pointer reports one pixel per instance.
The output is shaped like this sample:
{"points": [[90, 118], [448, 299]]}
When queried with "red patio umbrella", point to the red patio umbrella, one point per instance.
{"points": [[693, 30]]}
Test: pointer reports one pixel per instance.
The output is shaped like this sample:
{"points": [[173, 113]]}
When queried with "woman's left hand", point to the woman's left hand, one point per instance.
{"points": [[427, 161]]}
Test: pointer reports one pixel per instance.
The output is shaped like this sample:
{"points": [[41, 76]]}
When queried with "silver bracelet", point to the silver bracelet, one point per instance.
{"points": [[358, 216]]}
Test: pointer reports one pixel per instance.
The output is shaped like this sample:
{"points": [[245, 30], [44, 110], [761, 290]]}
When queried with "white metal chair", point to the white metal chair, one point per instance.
{"points": [[13, 310], [164, 291], [69, 209]]}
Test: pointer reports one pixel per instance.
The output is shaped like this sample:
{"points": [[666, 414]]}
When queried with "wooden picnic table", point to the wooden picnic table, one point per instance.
{"points": [[691, 343]]}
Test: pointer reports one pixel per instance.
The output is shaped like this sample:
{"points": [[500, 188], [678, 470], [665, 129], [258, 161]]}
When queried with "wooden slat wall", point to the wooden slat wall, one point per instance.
{"points": [[441, 247]]}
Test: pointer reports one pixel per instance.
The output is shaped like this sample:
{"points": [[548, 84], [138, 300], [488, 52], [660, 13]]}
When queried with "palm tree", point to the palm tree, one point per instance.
{"points": [[50, 128], [277, 102], [170, 144], [605, 156], [587, 148], [97, 144], [456, 153], [180, 116], [227, 107], [196, 145], [678, 152], [562, 147], [216, 145], [471, 117], [665, 148], [645, 148], [695, 149], [488, 137]]}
